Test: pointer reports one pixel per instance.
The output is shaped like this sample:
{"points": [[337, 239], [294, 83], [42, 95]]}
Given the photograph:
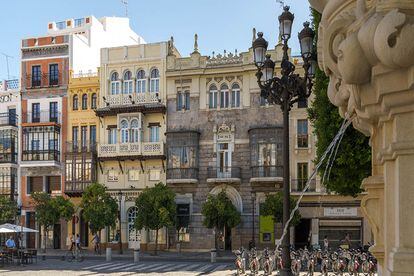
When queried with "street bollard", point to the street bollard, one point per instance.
{"points": [[108, 254], [213, 255], [136, 255]]}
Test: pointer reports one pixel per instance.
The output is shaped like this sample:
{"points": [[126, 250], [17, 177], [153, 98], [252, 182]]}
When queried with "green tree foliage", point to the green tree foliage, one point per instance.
{"points": [[49, 210], [8, 209], [219, 213], [98, 207], [156, 209], [353, 160], [273, 206]]}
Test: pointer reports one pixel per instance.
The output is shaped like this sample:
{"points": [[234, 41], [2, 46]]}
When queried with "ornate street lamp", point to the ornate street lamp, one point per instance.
{"points": [[285, 90], [119, 220]]}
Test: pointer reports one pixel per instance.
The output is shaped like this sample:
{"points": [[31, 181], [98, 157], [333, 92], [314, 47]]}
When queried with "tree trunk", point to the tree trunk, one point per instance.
{"points": [[45, 234], [215, 238], [156, 243]]}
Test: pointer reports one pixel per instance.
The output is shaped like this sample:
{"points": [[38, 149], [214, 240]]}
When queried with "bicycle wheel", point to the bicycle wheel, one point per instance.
{"points": [[69, 256], [79, 256]]}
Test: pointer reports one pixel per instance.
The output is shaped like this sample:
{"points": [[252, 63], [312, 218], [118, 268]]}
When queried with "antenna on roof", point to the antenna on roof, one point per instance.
{"points": [[7, 62], [125, 2]]}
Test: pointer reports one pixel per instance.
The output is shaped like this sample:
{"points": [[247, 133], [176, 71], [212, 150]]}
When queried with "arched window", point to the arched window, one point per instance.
{"points": [[235, 95], [134, 131], [141, 81], [212, 96], [155, 80], [75, 102], [127, 82], [93, 101], [224, 96], [84, 101], [133, 234], [115, 83], [124, 131]]}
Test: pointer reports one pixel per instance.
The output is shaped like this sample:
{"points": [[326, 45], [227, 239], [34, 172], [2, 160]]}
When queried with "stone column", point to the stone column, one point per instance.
{"points": [[366, 48]]}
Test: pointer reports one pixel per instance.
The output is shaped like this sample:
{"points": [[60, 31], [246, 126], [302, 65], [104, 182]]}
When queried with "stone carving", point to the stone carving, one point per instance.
{"points": [[195, 43], [171, 46], [224, 59]]}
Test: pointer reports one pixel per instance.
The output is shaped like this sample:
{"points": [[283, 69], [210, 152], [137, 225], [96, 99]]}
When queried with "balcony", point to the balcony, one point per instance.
{"points": [[223, 175], [43, 116], [182, 173], [8, 157], [140, 149], [41, 155], [81, 147], [8, 119], [267, 171], [297, 185], [73, 189], [134, 98], [43, 80]]}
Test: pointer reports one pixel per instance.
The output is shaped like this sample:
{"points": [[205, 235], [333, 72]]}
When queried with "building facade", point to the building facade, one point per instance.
{"points": [[9, 138], [81, 158], [132, 115]]}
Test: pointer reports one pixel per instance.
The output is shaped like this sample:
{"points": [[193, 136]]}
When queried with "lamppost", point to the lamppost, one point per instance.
{"points": [[119, 220], [285, 90]]}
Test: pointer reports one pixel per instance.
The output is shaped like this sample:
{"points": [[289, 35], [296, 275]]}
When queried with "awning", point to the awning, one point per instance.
{"points": [[12, 228]]}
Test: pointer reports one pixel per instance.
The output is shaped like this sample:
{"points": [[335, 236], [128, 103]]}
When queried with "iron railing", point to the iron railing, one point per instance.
{"points": [[80, 146], [267, 171], [41, 155], [8, 119], [43, 116], [76, 186], [43, 80], [182, 173], [297, 185], [8, 157], [223, 172]]}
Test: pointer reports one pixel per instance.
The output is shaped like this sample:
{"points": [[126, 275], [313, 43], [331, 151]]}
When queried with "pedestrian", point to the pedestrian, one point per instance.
{"points": [[325, 243], [72, 242], [347, 240], [96, 242], [78, 241], [10, 243]]}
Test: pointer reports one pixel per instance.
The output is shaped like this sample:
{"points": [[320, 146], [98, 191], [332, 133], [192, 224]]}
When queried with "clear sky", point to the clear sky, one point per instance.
{"points": [[220, 24]]}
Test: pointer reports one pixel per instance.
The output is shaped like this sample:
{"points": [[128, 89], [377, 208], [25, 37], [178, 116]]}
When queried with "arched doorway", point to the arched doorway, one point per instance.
{"points": [[226, 234], [83, 230]]}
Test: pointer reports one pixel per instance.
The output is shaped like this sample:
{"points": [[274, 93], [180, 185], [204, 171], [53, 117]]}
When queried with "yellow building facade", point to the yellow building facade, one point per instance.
{"points": [[80, 149]]}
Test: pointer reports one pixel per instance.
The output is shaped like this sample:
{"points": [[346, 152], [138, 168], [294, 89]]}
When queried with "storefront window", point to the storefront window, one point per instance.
{"points": [[183, 221]]}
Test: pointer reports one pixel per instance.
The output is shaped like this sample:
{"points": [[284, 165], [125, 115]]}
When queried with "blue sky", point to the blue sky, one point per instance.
{"points": [[220, 24]]}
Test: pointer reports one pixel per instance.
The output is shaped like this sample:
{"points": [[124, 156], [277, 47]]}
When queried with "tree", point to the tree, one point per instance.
{"points": [[99, 208], [8, 209], [219, 213], [49, 210], [273, 206], [156, 209], [353, 160]]}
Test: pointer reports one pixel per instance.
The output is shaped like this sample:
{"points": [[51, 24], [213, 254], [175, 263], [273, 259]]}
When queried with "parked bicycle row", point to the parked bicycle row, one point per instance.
{"points": [[340, 261]]}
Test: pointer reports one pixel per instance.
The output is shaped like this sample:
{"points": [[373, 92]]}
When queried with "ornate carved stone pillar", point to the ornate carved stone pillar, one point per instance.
{"points": [[366, 47]]}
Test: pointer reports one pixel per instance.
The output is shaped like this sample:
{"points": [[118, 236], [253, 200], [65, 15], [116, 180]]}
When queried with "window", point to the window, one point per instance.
{"points": [[140, 86], [12, 116], [183, 100], [182, 157], [154, 133], [224, 96], [75, 132], [154, 175], [155, 80], [34, 184], [53, 184], [35, 112], [84, 135], [53, 112], [124, 131], [127, 82], [133, 175], [302, 103], [112, 136], [36, 75], [223, 160], [53, 74], [115, 83], [84, 101], [183, 222], [112, 176], [302, 131], [53, 144], [93, 101], [92, 135], [75, 102], [212, 97], [302, 175], [267, 160], [134, 235], [235, 95], [134, 131], [35, 145]]}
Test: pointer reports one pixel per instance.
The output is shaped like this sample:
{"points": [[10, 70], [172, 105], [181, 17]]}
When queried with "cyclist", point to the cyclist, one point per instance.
{"points": [[78, 242], [96, 242]]}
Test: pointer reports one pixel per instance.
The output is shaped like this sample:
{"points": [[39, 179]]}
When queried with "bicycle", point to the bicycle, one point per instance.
{"points": [[76, 254]]}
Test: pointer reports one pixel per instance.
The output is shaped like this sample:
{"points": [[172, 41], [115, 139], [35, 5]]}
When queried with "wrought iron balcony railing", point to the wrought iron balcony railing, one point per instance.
{"points": [[297, 185], [8, 157], [267, 171], [76, 187], [41, 155], [131, 149], [80, 146], [182, 173], [43, 80], [43, 116], [223, 172], [8, 119]]}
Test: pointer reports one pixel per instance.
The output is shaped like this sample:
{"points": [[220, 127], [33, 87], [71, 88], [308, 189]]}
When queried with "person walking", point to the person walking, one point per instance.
{"points": [[96, 241], [325, 243], [72, 242], [78, 242]]}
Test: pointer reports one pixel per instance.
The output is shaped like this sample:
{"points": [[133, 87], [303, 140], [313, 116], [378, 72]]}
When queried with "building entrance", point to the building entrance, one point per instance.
{"points": [[302, 231]]}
